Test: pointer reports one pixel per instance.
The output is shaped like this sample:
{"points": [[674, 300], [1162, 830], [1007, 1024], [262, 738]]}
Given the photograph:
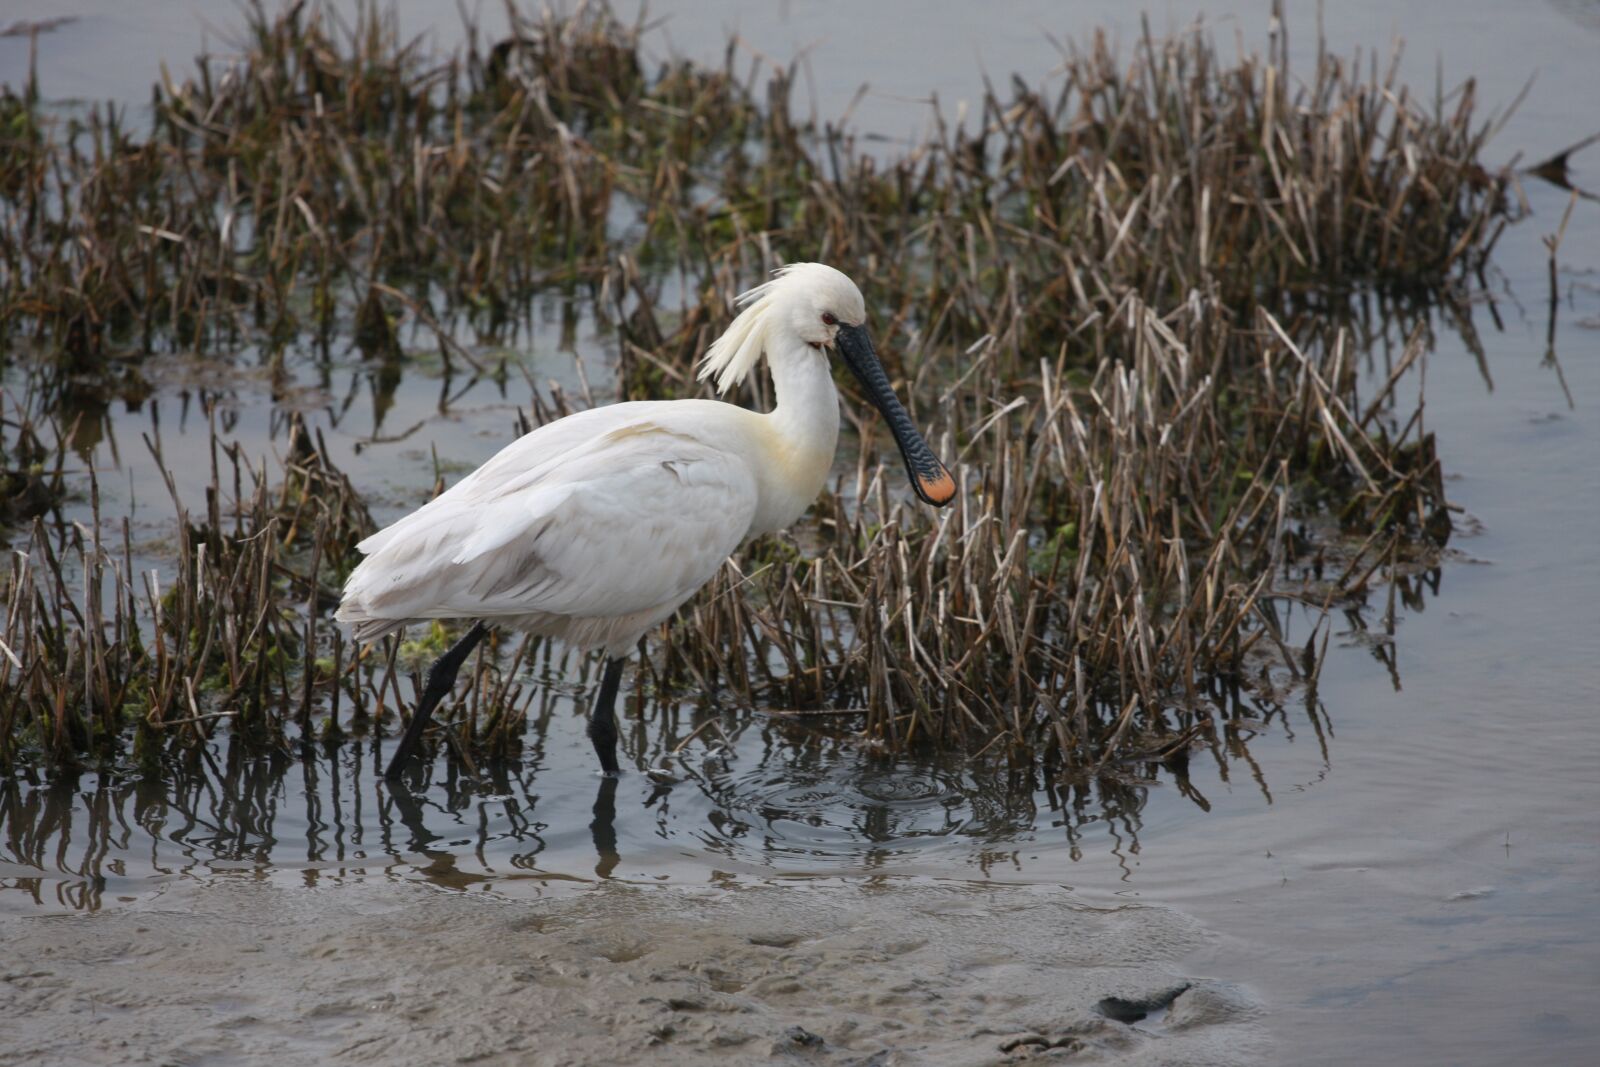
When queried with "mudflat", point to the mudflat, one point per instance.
{"points": [[246, 971]]}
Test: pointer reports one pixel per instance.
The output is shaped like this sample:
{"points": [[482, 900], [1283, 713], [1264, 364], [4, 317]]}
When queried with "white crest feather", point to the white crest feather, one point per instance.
{"points": [[799, 293], [734, 354]]}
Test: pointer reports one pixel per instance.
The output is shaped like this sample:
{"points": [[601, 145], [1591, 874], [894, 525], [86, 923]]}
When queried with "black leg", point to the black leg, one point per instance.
{"points": [[441, 677], [603, 716]]}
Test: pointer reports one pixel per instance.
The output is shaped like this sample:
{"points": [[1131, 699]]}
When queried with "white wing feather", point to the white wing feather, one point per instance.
{"points": [[587, 528]]}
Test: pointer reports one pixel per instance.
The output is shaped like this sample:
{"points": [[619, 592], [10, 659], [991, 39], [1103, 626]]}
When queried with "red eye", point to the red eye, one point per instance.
{"points": [[828, 319]]}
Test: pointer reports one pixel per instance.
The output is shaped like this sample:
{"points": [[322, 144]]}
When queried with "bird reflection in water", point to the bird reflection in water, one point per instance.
{"points": [[780, 797], [604, 827]]}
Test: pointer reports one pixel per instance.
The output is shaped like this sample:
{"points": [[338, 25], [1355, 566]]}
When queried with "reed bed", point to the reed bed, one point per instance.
{"points": [[1133, 305]]}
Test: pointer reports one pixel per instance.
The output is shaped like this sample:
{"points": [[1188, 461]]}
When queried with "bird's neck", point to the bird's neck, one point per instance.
{"points": [[803, 431], [805, 411]]}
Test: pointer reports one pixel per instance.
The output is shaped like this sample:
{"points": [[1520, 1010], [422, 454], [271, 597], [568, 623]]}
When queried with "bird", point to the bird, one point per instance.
{"points": [[597, 526]]}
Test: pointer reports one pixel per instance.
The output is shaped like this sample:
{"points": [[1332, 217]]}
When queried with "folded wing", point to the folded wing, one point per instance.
{"points": [[608, 519]]}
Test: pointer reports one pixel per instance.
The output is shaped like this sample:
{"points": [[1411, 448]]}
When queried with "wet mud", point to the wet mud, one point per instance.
{"points": [[245, 971]]}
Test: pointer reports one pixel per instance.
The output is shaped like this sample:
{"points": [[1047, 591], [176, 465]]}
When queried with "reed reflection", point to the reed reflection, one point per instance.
{"points": [[758, 795], [777, 798]]}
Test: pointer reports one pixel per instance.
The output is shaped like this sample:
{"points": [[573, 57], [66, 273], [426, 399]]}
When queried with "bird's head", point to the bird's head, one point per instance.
{"points": [[821, 307], [815, 302]]}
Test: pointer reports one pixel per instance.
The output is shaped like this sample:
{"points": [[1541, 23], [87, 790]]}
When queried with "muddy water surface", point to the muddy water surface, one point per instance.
{"points": [[1407, 872]]}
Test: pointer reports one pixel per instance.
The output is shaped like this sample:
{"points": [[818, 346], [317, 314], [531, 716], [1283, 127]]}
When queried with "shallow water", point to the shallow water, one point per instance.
{"points": [[1409, 873]]}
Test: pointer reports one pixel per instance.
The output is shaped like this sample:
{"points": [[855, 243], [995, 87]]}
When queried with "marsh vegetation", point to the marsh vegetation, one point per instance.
{"points": [[1141, 313]]}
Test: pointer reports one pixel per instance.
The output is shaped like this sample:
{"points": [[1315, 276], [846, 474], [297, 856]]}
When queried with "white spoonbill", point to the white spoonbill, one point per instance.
{"points": [[596, 527]]}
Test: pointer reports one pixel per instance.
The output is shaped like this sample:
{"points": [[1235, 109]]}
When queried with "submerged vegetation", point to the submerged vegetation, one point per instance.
{"points": [[1133, 307]]}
